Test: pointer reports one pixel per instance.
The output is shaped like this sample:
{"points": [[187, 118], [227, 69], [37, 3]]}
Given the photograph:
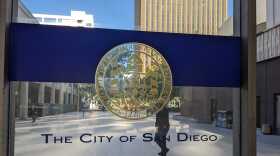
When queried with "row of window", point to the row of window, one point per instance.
{"points": [[268, 44], [58, 21]]}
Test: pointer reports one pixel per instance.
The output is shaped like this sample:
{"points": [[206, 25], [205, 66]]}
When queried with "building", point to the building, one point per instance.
{"points": [[273, 13], [268, 78], [261, 11], [268, 65], [261, 15], [76, 19], [199, 102], [227, 28], [181, 16], [24, 15]]}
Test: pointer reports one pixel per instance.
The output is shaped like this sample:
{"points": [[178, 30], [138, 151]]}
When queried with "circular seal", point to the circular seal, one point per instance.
{"points": [[133, 81]]}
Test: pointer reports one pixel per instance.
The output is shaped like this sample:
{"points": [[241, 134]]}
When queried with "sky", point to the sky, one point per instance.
{"points": [[116, 14]]}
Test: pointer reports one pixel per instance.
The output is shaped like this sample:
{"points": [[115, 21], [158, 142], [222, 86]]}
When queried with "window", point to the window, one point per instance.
{"points": [[59, 20], [49, 20], [39, 19]]}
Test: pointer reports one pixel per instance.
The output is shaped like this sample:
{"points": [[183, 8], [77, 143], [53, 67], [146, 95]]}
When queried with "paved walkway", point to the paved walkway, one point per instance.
{"points": [[267, 145], [28, 140]]}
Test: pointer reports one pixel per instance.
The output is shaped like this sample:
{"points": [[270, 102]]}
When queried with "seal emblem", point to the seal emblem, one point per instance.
{"points": [[133, 81]]}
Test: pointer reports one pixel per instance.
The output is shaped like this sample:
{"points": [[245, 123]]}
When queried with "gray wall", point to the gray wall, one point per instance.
{"points": [[268, 84], [197, 101]]}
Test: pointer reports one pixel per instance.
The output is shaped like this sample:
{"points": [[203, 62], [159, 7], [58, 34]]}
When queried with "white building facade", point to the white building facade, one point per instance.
{"points": [[76, 19]]}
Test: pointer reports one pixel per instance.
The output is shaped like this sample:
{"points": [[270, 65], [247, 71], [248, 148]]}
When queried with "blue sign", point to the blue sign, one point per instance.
{"points": [[44, 53]]}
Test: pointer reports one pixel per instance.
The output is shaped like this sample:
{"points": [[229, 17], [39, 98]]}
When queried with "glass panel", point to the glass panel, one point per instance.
{"points": [[74, 120]]}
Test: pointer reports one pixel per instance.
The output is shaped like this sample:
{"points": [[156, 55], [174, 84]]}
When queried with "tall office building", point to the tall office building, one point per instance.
{"points": [[181, 16]]}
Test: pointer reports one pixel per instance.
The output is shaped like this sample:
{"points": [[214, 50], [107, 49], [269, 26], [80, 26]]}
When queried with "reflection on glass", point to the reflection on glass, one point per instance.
{"points": [[133, 81], [73, 109], [65, 109], [208, 17], [182, 16]]}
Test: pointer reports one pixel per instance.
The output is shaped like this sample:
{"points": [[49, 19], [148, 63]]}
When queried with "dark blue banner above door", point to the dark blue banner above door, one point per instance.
{"points": [[69, 54]]}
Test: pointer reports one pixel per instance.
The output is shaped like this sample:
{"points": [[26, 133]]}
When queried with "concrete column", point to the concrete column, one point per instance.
{"points": [[61, 95], [72, 94], [78, 98], [41, 99], [53, 94], [41, 96], [23, 105], [66, 99]]}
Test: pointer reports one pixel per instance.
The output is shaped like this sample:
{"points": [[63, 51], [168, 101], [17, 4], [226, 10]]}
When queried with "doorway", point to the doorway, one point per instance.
{"points": [[277, 113], [258, 111]]}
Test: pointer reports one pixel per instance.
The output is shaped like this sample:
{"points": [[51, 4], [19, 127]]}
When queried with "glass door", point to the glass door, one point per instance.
{"points": [[60, 118]]}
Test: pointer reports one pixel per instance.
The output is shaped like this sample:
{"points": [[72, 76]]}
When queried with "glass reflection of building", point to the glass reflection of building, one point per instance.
{"points": [[45, 98], [181, 16], [191, 17]]}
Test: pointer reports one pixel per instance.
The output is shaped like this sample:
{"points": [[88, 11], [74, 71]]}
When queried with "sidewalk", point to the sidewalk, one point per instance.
{"points": [[267, 145], [59, 118], [104, 123]]}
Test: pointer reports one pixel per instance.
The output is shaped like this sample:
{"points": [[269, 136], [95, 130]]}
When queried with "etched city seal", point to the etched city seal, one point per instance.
{"points": [[133, 81]]}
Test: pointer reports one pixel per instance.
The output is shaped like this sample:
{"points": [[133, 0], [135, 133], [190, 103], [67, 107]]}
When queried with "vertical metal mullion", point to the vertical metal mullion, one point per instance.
{"points": [[6, 13], [245, 113], [236, 106], [11, 105]]}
